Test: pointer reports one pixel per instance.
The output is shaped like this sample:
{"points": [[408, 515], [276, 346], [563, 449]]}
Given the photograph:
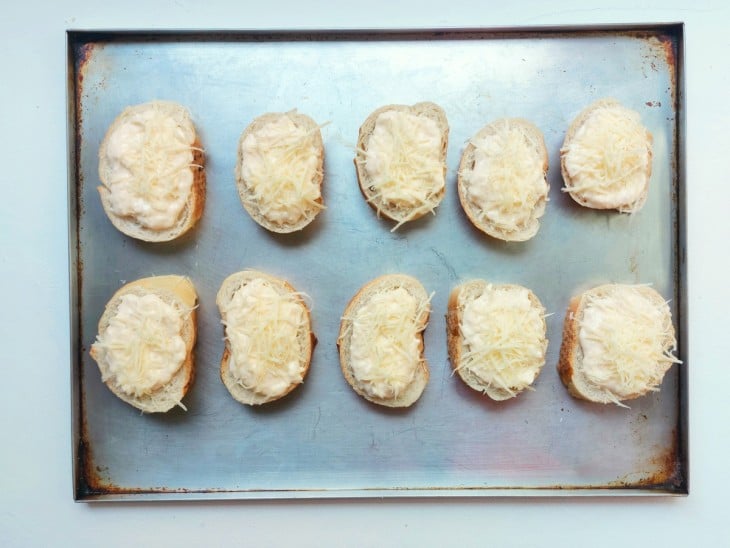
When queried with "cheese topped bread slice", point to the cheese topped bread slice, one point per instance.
{"points": [[280, 170], [606, 158], [496, 337], [144, 347], [502, 179], [381, 341], [151, 170], [268, 337], [618, 343], [401, 160]]}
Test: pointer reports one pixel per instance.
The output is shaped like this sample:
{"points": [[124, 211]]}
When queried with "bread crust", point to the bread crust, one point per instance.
{"points": [[575, 125], [344, 339], [179, 292], [426, 109], [194, 204], [305, 335], [458, 299], [570, 347], [571, 354], [533, 134], [245, 194]]}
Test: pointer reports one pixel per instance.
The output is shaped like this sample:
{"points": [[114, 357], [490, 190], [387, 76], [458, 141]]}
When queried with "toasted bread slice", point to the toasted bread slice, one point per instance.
{"points": [[502, 179], [152, 174], [606, 158], [496, 336], [617, 343], [401, 160], [280, 170], [381, 341], [144, 348], [269, 340]]}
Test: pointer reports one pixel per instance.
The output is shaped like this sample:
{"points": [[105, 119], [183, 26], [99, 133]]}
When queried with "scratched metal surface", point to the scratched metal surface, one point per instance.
{"points": [[324, 440]]}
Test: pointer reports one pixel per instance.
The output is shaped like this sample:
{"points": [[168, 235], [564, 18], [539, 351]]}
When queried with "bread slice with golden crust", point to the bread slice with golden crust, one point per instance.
{"points": [[606, 158], [617, 344], [259, 336], [401, 173], [496, 345], [280, 170], [502, 179], [397, 308], [151, 167], [174, 291]]}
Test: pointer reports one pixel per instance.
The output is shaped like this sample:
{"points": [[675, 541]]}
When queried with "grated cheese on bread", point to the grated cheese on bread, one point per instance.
{"points": [[280, 170], [144, 346], [401, 160], [151, 171], [502, 179], [496, 337], [606, 158], [268, 337], [381, 341], [618, 343]]}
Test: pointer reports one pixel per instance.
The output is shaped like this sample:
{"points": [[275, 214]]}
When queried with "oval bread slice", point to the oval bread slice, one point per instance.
{"points": [[502, 179], [382, 380], [617, 343], [265, 337], [151, 167], [404, 177], [606, 158], [496, 345], [177, 292], [280, 169]]}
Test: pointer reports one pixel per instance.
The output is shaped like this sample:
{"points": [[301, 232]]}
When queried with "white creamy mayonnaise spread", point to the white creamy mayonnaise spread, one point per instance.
{"points": [[261, 327], [147, 161]]}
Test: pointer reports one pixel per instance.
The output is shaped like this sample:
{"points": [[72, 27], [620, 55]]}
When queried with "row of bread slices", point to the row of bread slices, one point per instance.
{"points": [[153, 178], [618, 340]]}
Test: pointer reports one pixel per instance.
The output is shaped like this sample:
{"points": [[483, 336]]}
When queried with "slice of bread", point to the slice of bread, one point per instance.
{"points": [[404, 195], [502, 179], [152, 174], [280, 169], [496, 336], [617, 343], [606, 158], [370, 367], [265, 337], [179, 293]]}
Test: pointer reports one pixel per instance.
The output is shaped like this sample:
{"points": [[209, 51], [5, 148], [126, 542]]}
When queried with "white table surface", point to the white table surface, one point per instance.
{"points": [[36, 505]]}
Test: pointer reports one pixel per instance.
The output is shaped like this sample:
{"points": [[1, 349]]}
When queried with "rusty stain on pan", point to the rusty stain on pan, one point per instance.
{"points": [[81, 54], [664, 472], [668, 473]]}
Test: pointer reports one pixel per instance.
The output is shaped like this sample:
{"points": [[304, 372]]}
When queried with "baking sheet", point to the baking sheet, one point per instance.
{"points": [[323, 440]]}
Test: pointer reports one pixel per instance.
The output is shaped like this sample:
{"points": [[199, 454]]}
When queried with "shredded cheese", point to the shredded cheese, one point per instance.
{"points": [[506, 182], [626, 340], [262, 325], [608, 158], [280, 167], [404, 163], [503, 334], [385, 347], [146, 164], [142, 345]]}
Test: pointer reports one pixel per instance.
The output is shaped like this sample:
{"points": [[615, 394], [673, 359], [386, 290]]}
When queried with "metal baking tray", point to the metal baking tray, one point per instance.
{"points": [[323, 440]]}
